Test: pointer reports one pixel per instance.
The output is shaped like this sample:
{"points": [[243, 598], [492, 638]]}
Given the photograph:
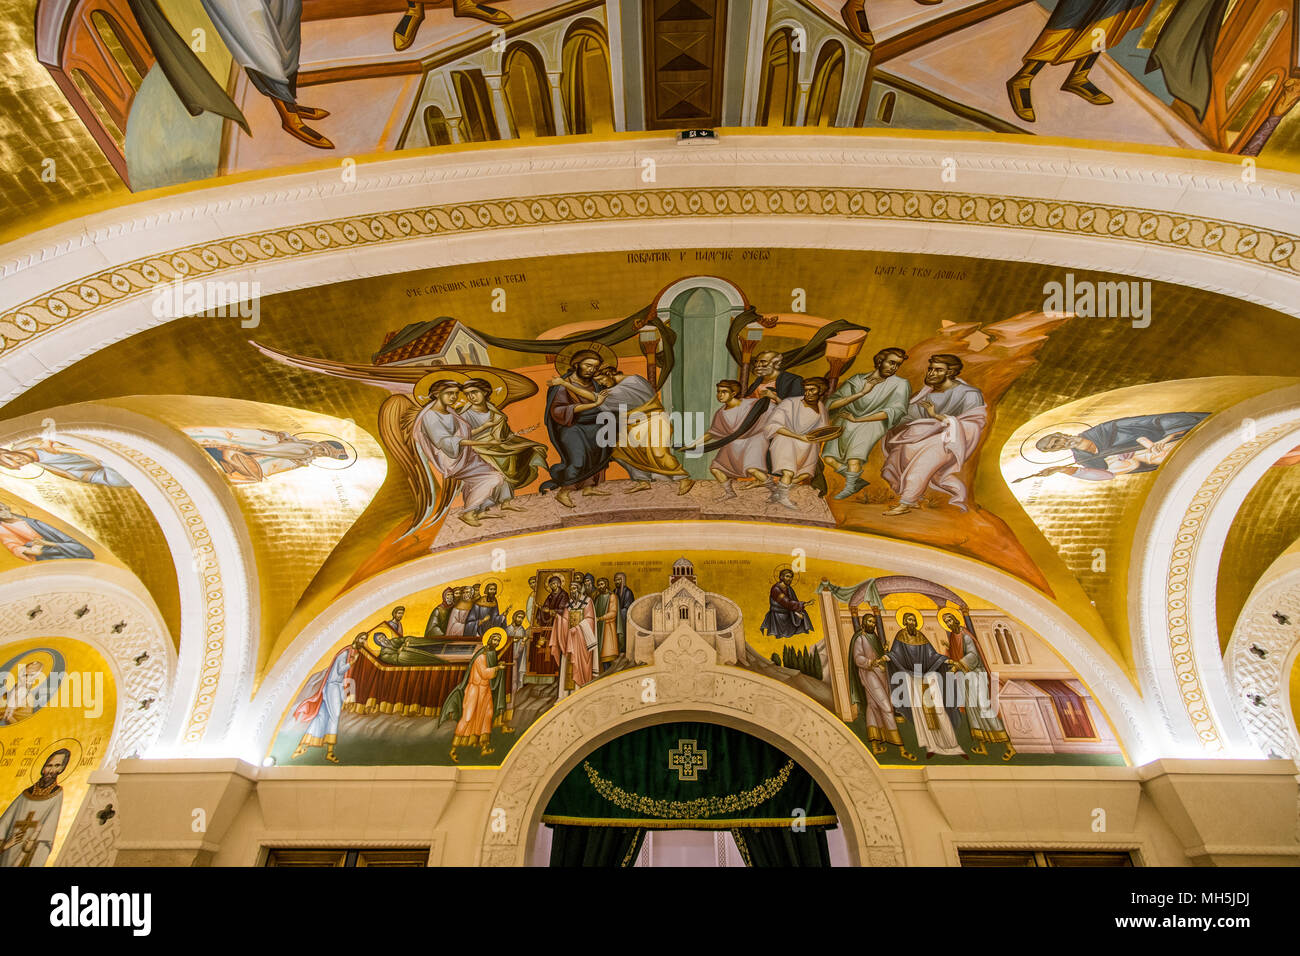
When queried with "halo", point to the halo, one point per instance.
{"points": [[330, 464], [70, 744], [48, 661], [498, 632], [1031, 454], [776, 573], [563, 360], [500, 388], [947, 607], [908, 609]]}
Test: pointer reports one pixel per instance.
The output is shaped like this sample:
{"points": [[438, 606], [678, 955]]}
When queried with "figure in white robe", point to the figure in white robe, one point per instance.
{"points": [[866, 407], [979, 697], [249, 455], [941, 431], [439, 432], [322, 710], [741, 452], [919, 669], [871, 690], [29, 825], [794, 457]]}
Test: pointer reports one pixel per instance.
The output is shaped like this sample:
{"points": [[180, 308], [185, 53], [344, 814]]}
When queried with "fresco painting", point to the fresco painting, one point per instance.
{"points": [[161, 92], [58, 705], [594, 431], [921, 673]]}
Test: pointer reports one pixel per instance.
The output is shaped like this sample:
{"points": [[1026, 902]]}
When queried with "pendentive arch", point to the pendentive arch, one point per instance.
{"points": [[1261, 655], [1178, 544], [211, 551], [687, 683], [107, 609]]}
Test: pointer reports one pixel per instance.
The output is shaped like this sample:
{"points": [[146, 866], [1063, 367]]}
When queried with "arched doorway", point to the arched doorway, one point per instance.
{"points": [[527, 92], [780, 81], [687, 782], [687, 683], [587, 93]]}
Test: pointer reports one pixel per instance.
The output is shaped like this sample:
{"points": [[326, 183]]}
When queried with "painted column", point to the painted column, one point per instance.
{"points": [[557, 104], [499, 107]]}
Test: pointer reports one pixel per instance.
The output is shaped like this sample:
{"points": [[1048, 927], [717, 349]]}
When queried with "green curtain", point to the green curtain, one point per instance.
{"points": [[782, 846], [595, 846], [688, 775]]}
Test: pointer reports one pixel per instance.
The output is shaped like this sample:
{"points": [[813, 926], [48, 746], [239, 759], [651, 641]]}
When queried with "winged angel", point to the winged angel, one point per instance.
{"points": [[445, 426]]}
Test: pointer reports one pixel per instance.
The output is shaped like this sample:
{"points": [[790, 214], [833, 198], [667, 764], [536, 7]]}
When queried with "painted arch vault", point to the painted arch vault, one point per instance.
{"points": [[903, 487], [370, 399]]}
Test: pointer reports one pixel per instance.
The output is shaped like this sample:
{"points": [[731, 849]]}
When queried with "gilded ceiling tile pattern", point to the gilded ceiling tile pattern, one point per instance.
{"points": [[294, 517]]}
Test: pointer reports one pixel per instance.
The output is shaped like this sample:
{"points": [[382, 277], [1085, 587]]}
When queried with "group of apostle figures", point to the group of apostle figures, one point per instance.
{"points": [[583, 626], [774, 432], [770, 431], [934, 689]]}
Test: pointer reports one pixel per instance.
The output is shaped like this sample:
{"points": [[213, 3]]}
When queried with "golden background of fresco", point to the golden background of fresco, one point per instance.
{"points": [[294, 518], [348, 322], [743, 579], [28, 742], [1079, 517]]}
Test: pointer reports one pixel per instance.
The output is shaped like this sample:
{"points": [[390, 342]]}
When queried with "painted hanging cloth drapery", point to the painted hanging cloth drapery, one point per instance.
{"points": [[689, 776]]}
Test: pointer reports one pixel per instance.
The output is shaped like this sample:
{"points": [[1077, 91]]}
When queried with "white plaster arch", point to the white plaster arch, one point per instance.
{"points": [[211, 551], [1110, 687], [690, 684], [663, 304], [1261, 656], [109, 256], [112, 597], [1178, 543]]}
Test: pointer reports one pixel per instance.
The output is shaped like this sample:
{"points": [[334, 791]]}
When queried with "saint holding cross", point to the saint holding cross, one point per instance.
{"points": [[27, 828]]}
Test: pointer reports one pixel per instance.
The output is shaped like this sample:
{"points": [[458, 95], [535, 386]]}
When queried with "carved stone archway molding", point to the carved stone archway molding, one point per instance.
{"points": [[1178, 544], [73, 289], [686, 682], [211, 551], [1261, 655]]}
